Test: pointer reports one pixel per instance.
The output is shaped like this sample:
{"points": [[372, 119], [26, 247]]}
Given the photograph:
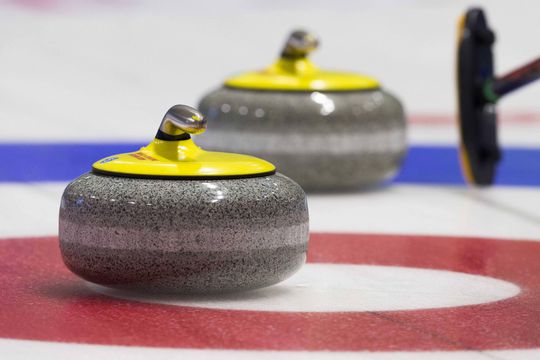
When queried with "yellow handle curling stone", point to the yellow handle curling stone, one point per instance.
{"points": [[327, 130], [174, 218]]}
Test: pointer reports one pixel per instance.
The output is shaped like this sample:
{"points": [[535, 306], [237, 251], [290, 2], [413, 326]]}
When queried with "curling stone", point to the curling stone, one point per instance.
{"points": [[326, 130], [173, 218]]}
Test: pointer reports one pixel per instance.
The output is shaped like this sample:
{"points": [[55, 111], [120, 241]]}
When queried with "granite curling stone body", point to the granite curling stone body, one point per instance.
{"points": [[174, 218], [326, 130]]}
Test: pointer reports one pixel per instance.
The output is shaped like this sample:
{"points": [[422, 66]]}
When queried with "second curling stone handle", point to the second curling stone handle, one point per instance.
{"points": [[299, 44]]}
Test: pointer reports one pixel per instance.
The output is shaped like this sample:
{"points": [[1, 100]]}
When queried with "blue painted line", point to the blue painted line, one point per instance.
{"points": [[440, 165], [424, 164], [53, 162]]}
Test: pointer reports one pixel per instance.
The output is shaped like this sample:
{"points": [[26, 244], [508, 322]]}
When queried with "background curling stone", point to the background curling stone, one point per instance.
{"points": [[326, 130], [174, 218]]}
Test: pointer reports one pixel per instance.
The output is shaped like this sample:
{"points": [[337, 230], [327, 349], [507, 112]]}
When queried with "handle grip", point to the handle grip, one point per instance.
{"points": [[179, 122], [299, 44]]}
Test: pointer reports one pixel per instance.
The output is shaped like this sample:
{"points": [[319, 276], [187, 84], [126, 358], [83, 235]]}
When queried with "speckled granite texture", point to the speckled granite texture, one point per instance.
{"points": [[183, 236], [322, 140]]}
